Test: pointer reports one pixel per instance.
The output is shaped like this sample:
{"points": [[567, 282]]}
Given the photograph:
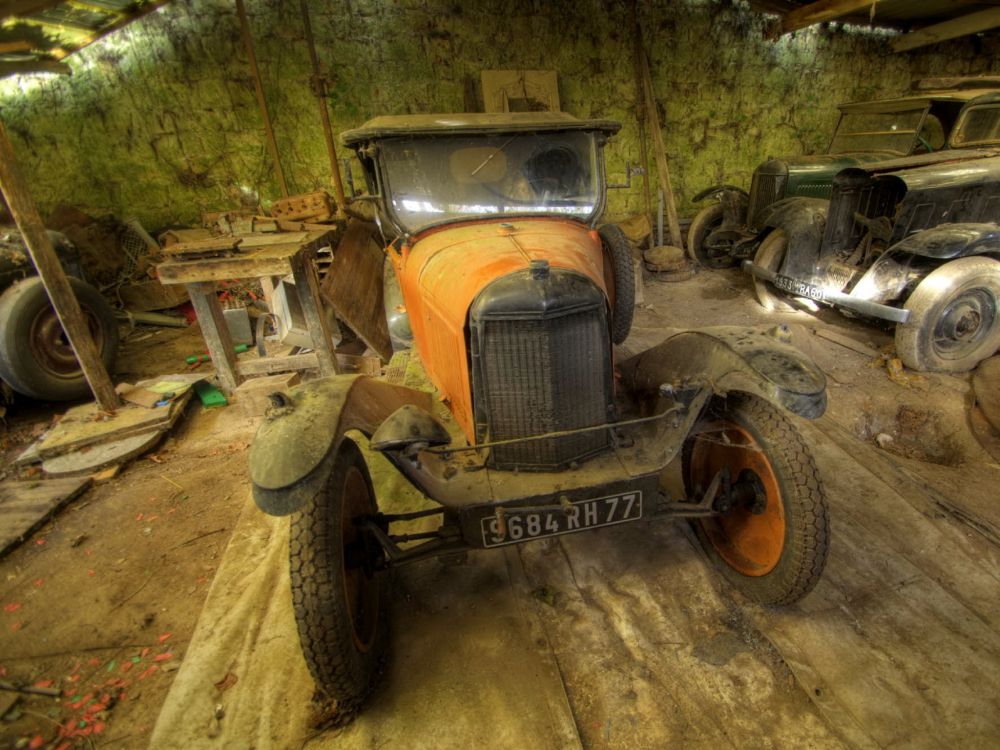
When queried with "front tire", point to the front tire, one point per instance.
{"points": [[340, 601], [772, 544], [707, 221], [618, 266], [769, 255], [954, 317]]}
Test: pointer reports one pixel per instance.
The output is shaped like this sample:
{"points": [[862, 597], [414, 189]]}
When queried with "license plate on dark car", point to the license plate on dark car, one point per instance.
{"points": [[583, 514], [800, 288]]}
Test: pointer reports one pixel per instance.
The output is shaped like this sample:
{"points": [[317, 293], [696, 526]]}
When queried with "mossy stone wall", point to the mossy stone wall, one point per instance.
{"points": [[160, 120]]}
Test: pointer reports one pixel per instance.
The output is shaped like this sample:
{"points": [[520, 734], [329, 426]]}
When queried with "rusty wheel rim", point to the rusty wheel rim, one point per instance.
{"points": [[360, 584], [50, 348], [750, 543]]}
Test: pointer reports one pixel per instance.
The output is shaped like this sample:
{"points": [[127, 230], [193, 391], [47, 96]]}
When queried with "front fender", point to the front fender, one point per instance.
{"points": [[716, 192], [949, 241], [803, 221], [288, 455], [730, 358]]}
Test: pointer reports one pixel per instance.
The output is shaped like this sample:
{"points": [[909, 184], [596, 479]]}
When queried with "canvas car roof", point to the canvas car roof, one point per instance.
{"points": [[917, 101], [472, 123]]}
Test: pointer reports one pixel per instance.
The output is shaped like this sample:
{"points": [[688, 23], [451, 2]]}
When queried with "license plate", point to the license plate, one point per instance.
{"points": [[798, 287], [583, 514]]}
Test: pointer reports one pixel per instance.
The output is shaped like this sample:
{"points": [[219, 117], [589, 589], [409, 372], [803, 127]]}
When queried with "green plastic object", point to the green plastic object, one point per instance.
{"points": [[210, 396], [238, 349]]}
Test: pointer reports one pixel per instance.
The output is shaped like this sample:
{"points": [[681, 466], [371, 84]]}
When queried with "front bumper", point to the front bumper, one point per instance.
{"points": [[839, 299]]}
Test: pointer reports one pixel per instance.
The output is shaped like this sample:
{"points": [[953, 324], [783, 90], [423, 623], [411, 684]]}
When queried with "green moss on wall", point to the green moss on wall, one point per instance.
{"points": [[160, 119]]}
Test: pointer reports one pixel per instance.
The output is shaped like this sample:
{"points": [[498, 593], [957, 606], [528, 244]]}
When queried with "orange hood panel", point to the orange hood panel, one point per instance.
{"points": [[446, 268]]}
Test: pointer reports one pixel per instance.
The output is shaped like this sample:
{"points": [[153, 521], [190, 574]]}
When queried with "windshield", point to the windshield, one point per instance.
{"points": [[980, 126], [434, 180], [895, 132]]}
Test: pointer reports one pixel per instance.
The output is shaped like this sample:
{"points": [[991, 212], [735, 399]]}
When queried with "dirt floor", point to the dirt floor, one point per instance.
{"points": [[158, 601]]}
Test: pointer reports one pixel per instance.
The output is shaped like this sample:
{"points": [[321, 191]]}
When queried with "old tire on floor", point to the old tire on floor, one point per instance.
{"points": [[954, 317], [772, 543], [618, 264], [340, 602], [36, 358], [707, 221], [769, 255]]}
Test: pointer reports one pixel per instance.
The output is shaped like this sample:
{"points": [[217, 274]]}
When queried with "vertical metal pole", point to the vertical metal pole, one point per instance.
{"points": [[319, 88], [272, 145], [43, 255]]}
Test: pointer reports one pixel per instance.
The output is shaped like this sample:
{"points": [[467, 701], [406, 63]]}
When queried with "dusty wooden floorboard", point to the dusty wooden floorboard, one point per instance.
{"points": [[26, 505]]}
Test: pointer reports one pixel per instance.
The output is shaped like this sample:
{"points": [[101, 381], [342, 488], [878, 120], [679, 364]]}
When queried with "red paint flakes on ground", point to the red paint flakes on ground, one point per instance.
{"points": [[12, 607]]}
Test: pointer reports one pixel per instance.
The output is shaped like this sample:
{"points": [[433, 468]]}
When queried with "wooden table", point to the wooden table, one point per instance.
{"points": [[263, 256]]}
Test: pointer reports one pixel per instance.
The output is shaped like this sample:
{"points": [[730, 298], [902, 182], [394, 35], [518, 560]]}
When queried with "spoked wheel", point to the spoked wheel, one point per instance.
{"points": [[771, 535], [340, 599]]}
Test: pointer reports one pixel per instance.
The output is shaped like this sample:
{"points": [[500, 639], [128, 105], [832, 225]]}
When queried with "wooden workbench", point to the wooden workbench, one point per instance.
{"points": [[265, 257]]}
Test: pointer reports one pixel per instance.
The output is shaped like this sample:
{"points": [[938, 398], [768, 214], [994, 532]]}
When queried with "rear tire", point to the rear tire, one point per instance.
{"points": [[954, 317], [707, 221], [773, 553], [35, 356], [618, 262], [769, 255], [340, 603]]}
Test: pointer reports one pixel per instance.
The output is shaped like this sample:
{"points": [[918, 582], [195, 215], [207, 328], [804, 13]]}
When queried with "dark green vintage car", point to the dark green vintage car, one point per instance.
{"points": [[730, 229]]}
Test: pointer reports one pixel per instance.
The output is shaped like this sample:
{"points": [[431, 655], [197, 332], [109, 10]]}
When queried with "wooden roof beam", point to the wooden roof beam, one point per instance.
{"points": [[819, 12], [973, 23], [25, 7], [24, 67]]}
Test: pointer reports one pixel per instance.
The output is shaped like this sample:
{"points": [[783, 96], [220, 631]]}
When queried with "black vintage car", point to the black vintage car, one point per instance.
{"points": [[729, 228], [913, 241]]}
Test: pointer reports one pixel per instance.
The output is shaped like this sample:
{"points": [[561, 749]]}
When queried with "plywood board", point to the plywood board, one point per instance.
{"points": [[97, 457], [26, 505], [354, 286], [86, 425]]}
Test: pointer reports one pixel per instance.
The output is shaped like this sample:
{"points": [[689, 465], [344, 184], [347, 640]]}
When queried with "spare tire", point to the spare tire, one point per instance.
{"points": [[618, 263], [35, 356]]}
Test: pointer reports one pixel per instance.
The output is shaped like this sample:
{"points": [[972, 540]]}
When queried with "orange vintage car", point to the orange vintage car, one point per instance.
{"points": [[505, 402]]}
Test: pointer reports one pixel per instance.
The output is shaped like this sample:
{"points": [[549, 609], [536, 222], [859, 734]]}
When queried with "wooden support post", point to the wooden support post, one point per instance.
{"points": [[43, 255], [272, 144], [215, 332], [307, 287], [673, 223], [319, 88]]}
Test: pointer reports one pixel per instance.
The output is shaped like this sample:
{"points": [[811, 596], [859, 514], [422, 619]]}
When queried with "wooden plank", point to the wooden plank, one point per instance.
{"points": [[83, 426], [820, 11], [26, 505], [307, 288], [43, 255], [354, 286], [269, 365], [278, 238], [267, 261], [970, 24], [216, 333], [206, 245]]}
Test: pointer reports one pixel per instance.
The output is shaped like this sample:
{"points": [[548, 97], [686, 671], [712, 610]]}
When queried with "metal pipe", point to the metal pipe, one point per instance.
{"points": [[272, 144]]}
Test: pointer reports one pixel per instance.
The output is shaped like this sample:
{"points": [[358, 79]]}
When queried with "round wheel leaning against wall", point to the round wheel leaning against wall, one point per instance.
{"points": [[36, 358], [618, 263], [954, 317]]}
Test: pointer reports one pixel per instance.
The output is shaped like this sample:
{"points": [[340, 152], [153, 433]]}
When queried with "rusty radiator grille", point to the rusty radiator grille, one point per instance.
{"points": [[765, 189], [544, 375]]}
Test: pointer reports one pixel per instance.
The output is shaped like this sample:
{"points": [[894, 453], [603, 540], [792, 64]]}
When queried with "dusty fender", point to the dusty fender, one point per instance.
{"points": [[949, 241], [803, 221], [756, 361], [288, 456]]}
